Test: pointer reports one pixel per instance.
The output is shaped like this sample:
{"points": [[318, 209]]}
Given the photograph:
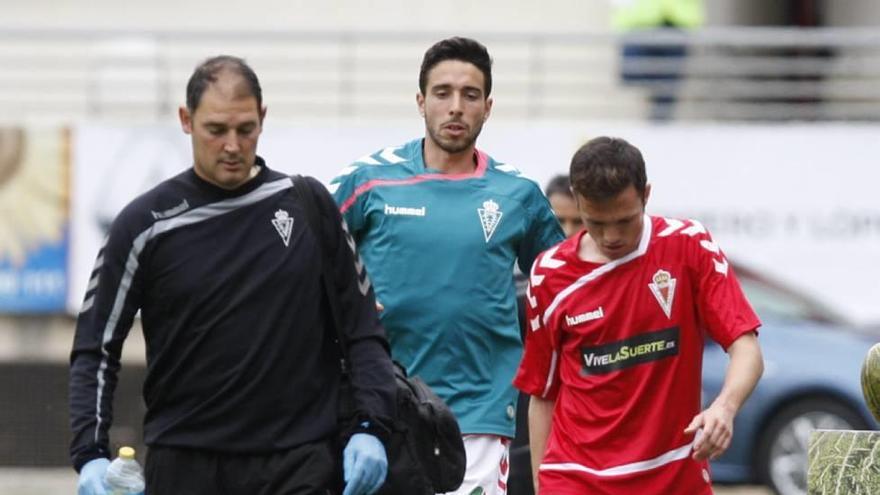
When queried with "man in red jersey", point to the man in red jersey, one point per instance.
{"points": [[617, 317]]}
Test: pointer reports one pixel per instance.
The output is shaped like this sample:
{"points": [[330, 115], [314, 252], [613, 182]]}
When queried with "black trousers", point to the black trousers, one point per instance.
{"points": [[308, 469]]}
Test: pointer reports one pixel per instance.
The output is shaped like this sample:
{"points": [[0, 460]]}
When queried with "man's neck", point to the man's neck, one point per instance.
{"points": [[254, 171], [589, 251], [463, 162]]}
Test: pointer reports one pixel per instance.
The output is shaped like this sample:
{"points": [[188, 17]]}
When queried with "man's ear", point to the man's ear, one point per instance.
{"points": [[420, 101], [489, 102], [185, 119], [647, 194], [263, 114]]}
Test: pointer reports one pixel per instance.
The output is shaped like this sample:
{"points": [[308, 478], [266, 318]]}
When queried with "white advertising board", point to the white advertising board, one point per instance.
{"points": [[796, 202]]}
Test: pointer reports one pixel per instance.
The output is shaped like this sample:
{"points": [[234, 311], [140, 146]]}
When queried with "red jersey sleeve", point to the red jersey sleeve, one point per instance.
{"points": [[538, 372], [722, 307]]}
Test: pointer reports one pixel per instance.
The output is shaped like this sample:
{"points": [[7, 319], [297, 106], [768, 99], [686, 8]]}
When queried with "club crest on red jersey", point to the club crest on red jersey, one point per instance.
{"points": [[663, 288]]}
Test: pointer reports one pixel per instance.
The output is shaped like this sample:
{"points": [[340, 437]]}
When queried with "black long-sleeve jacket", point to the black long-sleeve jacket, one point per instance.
{"points": [[240, 355]]}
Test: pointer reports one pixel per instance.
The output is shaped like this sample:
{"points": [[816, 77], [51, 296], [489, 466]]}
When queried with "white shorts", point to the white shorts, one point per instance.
{"points": [[487, 465]]}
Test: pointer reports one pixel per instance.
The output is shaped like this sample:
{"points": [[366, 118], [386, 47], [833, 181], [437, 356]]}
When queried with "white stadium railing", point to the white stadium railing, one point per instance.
{"points": [[728, 74]]}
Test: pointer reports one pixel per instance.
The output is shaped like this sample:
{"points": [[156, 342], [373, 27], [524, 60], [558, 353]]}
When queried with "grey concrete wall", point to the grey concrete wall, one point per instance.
{"points": [[453, 16], [862, 13], [401, 15]]}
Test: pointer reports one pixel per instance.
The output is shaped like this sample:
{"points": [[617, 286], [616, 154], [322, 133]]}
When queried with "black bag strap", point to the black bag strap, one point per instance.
{"points": [[308, 203]]}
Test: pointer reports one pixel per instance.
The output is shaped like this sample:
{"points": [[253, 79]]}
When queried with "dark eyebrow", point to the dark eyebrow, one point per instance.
{"points": [[222, 125], [447, 87]]}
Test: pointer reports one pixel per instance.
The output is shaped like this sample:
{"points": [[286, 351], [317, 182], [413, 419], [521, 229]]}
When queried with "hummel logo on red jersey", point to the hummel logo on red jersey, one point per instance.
{"points": [[584, 317]]}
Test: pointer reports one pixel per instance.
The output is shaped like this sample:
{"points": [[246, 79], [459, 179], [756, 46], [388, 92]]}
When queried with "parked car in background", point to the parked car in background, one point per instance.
{"points": [[812, 359], [812, 364]]}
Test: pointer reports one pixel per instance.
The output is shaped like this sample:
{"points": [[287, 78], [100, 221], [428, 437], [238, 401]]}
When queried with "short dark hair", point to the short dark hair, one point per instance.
{"points": [[605, 166], [559, 184], [207, 73], [457, 48]]}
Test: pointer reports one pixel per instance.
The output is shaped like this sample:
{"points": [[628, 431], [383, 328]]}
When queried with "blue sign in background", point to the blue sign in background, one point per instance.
{"points": [[40, 284]]}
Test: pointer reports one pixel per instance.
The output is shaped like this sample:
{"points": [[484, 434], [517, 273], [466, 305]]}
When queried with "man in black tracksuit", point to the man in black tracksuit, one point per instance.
{"points": [[243, 373]]}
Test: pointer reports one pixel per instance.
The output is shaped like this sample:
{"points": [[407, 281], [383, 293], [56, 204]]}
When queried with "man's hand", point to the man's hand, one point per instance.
{"points": [[91, 477], [716, 422], [364, 465], [379, 307], [714, 429]]}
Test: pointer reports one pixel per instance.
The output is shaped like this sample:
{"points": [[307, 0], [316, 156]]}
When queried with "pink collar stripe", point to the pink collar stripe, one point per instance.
{"points": [[479, 171]]}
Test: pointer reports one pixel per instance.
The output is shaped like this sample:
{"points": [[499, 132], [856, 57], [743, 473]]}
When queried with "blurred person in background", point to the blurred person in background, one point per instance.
{"points": [[656, 62], [613, 358], [242, 370], [440, 225], [558, 192]]}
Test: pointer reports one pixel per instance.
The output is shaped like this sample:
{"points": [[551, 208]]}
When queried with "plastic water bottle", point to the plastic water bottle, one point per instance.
{"points": [[124, 475]]}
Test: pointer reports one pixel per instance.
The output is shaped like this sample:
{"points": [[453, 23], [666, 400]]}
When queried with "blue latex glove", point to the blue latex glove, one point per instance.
{"points": [[91, 477], [364, 465]]}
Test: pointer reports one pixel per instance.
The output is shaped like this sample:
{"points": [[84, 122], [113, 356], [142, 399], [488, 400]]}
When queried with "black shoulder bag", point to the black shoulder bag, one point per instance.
{"points": [[425, 452]]}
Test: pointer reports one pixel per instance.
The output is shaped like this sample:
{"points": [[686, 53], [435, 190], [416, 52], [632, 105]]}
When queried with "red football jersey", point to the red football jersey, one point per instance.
{"points": [[619, 346]]}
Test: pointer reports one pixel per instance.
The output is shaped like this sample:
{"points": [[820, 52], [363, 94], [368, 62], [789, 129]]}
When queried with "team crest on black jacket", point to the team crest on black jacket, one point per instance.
{"points": [[283, 223]]}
